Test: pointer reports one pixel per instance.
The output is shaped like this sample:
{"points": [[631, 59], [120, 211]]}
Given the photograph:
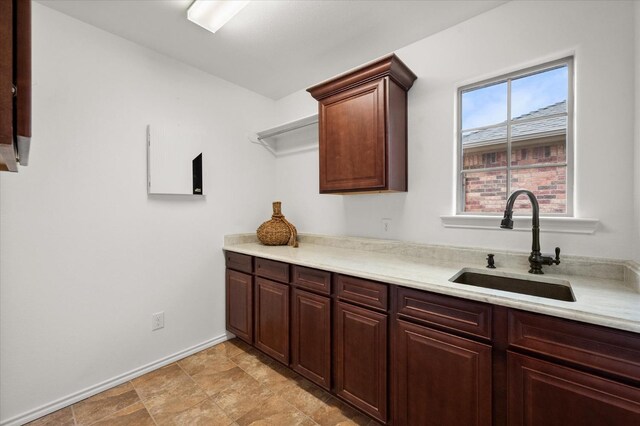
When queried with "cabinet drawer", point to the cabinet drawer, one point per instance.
{"points": [[544, 393], [239, 262], [271, 269], [611, 351], [364, 292], [312, 279], [461, 315]]}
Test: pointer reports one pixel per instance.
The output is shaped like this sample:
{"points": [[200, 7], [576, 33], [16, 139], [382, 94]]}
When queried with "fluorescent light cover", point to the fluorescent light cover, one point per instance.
{"points": [[213, 14]]}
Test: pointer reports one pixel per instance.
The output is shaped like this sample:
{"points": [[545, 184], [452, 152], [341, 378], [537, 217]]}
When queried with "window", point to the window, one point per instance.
{"points": [[515, 133]]}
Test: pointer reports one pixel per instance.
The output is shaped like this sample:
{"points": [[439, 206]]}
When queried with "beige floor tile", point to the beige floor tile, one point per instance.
{"points": [[336, 413], [157, 382], [204, 362], [274, 411], [215, 382], [104, 404], [255, 363], [177, 398], [270, 373], [230, 384], [230, 348], [63, 417], [242, 396], [251, 359], [305, 396], [134, 415], [207, 413]]}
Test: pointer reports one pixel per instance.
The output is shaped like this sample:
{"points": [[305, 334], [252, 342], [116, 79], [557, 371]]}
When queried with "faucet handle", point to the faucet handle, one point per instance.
{"points": [[557, 260], [490, 262]]}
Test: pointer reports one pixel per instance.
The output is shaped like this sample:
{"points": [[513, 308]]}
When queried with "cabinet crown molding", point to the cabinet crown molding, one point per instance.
{"points": [[389, 65]]}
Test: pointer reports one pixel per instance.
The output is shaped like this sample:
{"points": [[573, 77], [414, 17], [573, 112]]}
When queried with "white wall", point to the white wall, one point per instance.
{"points": [[87, 256], [510, 37], [636, 167]]}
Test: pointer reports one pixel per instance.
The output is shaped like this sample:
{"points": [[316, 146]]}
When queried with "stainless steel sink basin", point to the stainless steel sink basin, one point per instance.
{"points": [[550, 288]]}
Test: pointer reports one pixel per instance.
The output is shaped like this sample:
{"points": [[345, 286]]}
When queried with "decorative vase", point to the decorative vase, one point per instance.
{"points": [[277, 231]]}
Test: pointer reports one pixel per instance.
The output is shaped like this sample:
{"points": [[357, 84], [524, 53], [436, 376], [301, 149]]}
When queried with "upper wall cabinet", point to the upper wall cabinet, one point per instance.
{"points": [[363, 128], [15, 83]]}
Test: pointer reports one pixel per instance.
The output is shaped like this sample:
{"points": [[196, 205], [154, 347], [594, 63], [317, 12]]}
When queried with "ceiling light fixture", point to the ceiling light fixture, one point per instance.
{"points": [[213, 14]]}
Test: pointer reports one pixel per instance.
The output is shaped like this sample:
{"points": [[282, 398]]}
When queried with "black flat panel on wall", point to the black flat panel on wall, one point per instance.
{"points": [[197, 175]]}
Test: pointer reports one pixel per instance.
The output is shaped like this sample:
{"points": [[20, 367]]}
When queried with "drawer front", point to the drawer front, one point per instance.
{"points": [[271, 269], [239, 262], [612, 351], [455, 314], [364, 292], [312, 279], [545, 393]]}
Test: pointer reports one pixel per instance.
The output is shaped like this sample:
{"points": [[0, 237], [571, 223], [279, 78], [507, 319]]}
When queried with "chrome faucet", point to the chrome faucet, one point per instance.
{"points": [[536, 259]]}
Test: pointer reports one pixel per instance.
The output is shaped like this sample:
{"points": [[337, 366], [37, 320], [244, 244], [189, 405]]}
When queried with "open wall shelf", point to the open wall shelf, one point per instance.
{"points": [[289, 138]]}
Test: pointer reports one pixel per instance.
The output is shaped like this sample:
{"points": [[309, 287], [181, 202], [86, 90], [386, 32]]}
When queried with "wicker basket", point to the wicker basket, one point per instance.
{"points": [[278, 231]]}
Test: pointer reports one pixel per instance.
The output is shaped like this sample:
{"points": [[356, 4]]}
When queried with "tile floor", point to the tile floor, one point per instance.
{"points": [[227, 384]]}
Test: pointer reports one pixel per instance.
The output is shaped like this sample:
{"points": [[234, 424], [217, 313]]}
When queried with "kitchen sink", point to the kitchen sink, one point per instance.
{"points": [[549, 288]]}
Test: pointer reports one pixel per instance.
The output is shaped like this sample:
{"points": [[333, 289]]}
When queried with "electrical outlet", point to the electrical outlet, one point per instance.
{"points": [[386, 224], [157, 321]]}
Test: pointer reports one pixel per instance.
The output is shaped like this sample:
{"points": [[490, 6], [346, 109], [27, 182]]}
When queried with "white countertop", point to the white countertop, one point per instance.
{"points": [[600, 301]]}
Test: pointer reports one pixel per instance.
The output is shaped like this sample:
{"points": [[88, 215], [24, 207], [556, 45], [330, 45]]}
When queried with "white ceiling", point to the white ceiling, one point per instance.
{"points": [[276, 47]]}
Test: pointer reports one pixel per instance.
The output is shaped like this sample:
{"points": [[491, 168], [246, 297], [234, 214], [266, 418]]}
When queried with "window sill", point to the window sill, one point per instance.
{"points": [[567, 225]]}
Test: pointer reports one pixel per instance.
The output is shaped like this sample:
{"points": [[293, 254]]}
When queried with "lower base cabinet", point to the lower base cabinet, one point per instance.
{"points": [[546, 394], [360, 375], [311, 336], [239, 313], [435, 360], [272, 319], [442, 379]]}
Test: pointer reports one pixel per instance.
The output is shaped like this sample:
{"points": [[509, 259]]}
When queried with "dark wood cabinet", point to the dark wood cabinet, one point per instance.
{"points": [[239, 262], [442, 379], [272, 318], [15, 83], [239, 293], [311, 336], [362, 119], [411, 357], [360, 357], [614, 353], [545, 394]]}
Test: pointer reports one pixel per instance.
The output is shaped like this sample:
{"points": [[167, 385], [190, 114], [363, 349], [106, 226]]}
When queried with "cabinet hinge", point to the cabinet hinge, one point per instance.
{"points": [[14, 90]]}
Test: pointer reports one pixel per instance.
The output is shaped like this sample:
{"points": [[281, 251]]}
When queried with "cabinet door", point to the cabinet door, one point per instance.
{"points": [[352, 139], [361, 358], [311, 337], [272, 319], [546, 394], [15, 74], [239, 288], [7, 151], [442, 379]]}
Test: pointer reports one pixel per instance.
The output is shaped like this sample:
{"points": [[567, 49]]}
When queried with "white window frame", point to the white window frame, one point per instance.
{"points": [[460, 173]]}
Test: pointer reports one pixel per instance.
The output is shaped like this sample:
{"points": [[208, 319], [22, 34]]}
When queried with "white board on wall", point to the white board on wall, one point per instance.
{"points": [[171, 151]]}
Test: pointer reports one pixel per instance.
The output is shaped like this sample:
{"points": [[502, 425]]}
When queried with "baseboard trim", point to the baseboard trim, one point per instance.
{"points": [[48, 408]]}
